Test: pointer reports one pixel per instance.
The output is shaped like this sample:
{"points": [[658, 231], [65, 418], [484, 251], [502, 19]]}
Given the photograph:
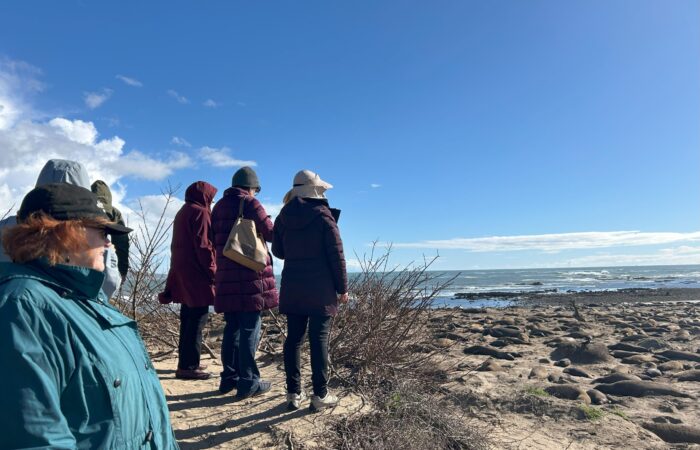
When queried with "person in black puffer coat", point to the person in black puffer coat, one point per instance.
{"points": [[314, 281]]}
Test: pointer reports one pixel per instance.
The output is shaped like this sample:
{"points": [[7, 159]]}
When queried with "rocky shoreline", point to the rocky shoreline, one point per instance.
{"points": [[553, 297], [621, 370]]}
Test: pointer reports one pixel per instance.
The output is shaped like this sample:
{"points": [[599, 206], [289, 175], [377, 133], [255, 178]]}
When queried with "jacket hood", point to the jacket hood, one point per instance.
{"points": [[300, 212], [63, 171], [200, 192], [104, 195]]}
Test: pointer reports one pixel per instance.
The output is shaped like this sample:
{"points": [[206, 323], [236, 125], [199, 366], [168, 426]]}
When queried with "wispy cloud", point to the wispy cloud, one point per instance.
{"points": [[221, 157], [95, 99], [179, 98], [375, 185], [209, 103], [273, 209], [182, 142], [556, 242], [140, 165], [18, 81], [673, 255], [130, 81]]}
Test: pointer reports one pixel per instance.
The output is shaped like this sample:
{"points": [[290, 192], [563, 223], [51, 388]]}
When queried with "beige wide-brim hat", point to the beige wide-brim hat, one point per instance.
{"points": [[307, 184]]}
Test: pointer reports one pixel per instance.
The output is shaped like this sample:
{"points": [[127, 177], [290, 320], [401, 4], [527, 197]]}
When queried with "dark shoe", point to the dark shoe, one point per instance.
{"points": [[227, 385], [194, 374], [263, 387]]}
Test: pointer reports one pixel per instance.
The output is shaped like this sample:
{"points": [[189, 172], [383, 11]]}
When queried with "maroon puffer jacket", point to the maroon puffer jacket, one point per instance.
{"points": [[307, 238], [192, 260], [238, 288]]}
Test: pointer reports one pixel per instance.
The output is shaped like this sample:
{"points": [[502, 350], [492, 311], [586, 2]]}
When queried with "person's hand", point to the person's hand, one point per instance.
{"points": [[343, 298]]}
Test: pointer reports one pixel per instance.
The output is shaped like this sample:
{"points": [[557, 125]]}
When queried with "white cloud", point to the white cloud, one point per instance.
{"points": [[209, 103], [221, 157], [182, 142], [375, 185], [179, 98], [130, 81], [664, 256], [141, 165], [27, 144], [95, 99], [18, 82], [556, 242]]}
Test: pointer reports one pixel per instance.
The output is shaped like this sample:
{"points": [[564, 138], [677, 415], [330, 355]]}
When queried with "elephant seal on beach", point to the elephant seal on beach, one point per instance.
{"points": [[640, 389], [689, 375], [637, 359], [538, 372], [674, 433], [615, 377], [676, 355], [671, 366], [628, 347], [597, 397], [576, 372], [489, 351], [584, 353], [568, 392]]}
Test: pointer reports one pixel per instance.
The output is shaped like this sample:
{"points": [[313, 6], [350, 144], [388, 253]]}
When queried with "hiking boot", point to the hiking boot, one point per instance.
{"points": [[294, 400], [318, 403], [193, 374], [263, 387], [226, 385]]}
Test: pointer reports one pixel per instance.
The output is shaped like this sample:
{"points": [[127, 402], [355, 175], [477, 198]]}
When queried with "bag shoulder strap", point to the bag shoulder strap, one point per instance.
{"points": [[240, 207]]}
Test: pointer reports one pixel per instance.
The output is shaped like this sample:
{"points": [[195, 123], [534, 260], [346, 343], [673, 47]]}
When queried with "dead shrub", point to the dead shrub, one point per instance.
{"points": [[409, 414], [383, 329]]}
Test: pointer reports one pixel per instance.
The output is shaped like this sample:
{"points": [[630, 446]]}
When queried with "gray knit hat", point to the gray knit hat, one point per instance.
{"points": [[246, 177]]}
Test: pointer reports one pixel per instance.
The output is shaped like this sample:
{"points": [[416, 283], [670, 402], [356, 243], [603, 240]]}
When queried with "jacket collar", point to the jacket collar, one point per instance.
{"points": [[79, 282], [238, 192]]}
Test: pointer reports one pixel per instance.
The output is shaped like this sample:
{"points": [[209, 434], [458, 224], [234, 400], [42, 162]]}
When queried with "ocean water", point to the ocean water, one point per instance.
{"points": [[563, 280]]}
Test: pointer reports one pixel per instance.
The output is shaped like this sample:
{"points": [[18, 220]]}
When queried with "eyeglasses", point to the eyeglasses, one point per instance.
{"points": [[103, 231]]}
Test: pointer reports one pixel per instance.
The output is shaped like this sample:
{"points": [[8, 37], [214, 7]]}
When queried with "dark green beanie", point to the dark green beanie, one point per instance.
{"points": [[246, 177]]}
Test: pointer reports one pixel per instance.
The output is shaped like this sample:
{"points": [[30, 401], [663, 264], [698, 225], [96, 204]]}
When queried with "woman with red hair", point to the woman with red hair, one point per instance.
{"points": [[77, 373]]}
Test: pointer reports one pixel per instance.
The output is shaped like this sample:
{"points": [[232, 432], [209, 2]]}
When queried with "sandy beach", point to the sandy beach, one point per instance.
{"points": [[610, 374]]}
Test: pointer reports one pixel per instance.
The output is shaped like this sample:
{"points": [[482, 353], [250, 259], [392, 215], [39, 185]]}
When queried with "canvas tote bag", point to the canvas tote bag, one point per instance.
{"points": [[244, 245]]}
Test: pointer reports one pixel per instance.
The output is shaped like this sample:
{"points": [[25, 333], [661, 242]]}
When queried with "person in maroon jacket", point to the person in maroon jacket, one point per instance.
{"points": [[241, 293], [190, 280], [314, 281]]}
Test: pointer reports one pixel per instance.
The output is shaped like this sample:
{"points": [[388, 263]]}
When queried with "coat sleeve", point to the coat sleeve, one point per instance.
{"points": [[334, 254], [277, 240], [206, 257], [262, 221], [35, 355], [121, 245]]}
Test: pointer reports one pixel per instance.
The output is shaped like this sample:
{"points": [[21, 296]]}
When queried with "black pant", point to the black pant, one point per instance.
{"points": [[319, 329], [192, 321]]}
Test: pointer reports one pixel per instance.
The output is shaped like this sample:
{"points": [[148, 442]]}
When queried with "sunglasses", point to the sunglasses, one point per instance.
{"points": [[103, 231]]}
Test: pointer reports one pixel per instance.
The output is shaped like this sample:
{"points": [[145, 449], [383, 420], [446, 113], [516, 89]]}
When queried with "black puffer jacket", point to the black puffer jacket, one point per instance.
{"points": [[306, 236]]}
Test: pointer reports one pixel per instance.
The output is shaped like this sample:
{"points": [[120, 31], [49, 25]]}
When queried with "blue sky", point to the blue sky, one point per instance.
{"points": [[499, 134]]}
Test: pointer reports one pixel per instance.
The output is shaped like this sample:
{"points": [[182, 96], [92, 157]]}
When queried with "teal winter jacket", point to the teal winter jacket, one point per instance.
{"points": [[75, 372]]}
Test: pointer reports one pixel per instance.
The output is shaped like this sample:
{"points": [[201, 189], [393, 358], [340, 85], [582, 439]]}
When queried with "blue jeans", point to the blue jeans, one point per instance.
{"points": [[241, 336]]}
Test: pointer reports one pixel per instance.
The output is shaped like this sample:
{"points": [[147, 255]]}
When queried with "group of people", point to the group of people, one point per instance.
{"points": [[314, 280], [77, 373]]}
